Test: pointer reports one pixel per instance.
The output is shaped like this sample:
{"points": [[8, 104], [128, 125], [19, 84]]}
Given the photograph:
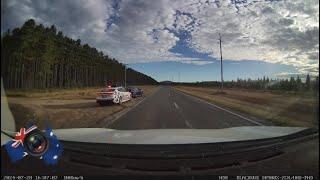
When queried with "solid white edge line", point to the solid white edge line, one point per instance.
{"points": [[235, 114]]}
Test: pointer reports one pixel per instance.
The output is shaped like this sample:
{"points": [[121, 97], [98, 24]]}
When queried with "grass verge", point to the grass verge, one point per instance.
{"points": [[64, 108], [280, 109]]}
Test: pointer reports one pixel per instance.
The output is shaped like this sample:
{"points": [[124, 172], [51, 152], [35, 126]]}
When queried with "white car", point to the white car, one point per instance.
{"points": [[116, 95]]}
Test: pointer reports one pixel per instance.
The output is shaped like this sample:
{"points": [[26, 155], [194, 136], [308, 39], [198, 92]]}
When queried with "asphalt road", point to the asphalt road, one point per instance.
{"points": [[168, 108]]}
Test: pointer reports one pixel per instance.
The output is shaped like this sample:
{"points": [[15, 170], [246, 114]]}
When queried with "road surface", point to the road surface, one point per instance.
{"points": [[170, 108]]}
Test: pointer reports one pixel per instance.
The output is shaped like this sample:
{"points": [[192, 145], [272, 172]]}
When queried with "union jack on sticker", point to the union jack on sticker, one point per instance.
{"points": [[33, 142]]}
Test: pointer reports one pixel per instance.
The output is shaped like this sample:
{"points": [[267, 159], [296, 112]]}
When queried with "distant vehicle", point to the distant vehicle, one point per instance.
{"points": [[135, 92], [115, 95]]}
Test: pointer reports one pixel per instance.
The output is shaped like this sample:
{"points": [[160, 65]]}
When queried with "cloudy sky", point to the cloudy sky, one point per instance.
{"points": [[260, 37]]}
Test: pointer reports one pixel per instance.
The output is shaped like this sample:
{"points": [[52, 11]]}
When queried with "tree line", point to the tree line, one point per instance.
{"points": [[265, 83], [38, 57]]}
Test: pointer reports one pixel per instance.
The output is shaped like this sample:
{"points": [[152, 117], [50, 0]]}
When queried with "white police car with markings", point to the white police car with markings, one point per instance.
{"points": [[115, 95]]}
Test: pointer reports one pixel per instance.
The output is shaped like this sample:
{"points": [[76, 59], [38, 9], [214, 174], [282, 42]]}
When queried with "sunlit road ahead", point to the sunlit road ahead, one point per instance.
{"points": [[170, 108]]}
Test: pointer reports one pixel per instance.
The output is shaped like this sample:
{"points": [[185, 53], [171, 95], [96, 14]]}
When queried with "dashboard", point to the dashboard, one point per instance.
{"points": [[295, 154]]}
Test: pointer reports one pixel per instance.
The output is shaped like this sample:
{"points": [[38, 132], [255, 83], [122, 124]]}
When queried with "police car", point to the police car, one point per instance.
{"points": [[115, 95]]}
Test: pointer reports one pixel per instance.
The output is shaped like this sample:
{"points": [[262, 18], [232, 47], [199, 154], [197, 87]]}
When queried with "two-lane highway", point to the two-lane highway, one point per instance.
{"points": [[169, 108]]}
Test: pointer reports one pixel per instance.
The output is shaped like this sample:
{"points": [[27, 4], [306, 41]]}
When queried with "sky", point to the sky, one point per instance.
{"points": [[184, 72], [165, 38]]}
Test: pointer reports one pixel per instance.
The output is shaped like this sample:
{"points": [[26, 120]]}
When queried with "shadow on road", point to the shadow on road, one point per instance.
{"points": [[78, 105]]}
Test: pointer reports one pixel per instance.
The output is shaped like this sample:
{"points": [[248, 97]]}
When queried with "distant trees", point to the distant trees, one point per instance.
{"points": [[308, 82], [35, 56], [293, 84]]}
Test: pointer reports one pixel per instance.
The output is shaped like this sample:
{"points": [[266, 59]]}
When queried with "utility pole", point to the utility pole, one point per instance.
{"points": [[125, 75], [220, 41]]}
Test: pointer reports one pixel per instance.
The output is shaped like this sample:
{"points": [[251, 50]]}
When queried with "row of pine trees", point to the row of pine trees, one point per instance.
{"points": [[291, 84], [38, 57], [287, 84]]}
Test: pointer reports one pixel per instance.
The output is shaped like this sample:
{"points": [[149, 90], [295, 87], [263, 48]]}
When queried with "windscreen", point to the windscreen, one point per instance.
{"points": [[188, 65], [205, 65]]}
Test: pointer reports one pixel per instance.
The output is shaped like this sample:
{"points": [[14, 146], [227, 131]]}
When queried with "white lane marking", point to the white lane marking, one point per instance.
{"points": [[188, 124], [250, 120], [198, 99], [186, 121], [111, 119], [176, 105]]}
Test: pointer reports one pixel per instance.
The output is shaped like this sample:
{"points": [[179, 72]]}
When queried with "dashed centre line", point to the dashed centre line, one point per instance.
{"points": [[176, 105]]}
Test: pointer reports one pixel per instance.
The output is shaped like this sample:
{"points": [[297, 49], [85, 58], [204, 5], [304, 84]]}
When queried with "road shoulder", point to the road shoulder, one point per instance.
{"points": [[252, 119]]}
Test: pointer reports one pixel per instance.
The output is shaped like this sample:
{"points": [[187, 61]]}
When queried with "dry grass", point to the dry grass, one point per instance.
{"points": [[64, 108], [279, 108]]}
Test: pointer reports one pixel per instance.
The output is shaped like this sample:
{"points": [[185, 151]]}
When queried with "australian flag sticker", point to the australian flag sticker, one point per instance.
{"points": [[33, 142]]}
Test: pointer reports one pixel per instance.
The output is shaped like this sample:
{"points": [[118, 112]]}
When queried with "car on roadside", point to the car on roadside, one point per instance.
{"points": [[115, 95], [135, 92]]}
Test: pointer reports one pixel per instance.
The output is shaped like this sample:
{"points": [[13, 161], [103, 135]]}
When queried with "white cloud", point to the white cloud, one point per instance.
{"points": [[197, 62], [283, 32], [142, 31]]}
